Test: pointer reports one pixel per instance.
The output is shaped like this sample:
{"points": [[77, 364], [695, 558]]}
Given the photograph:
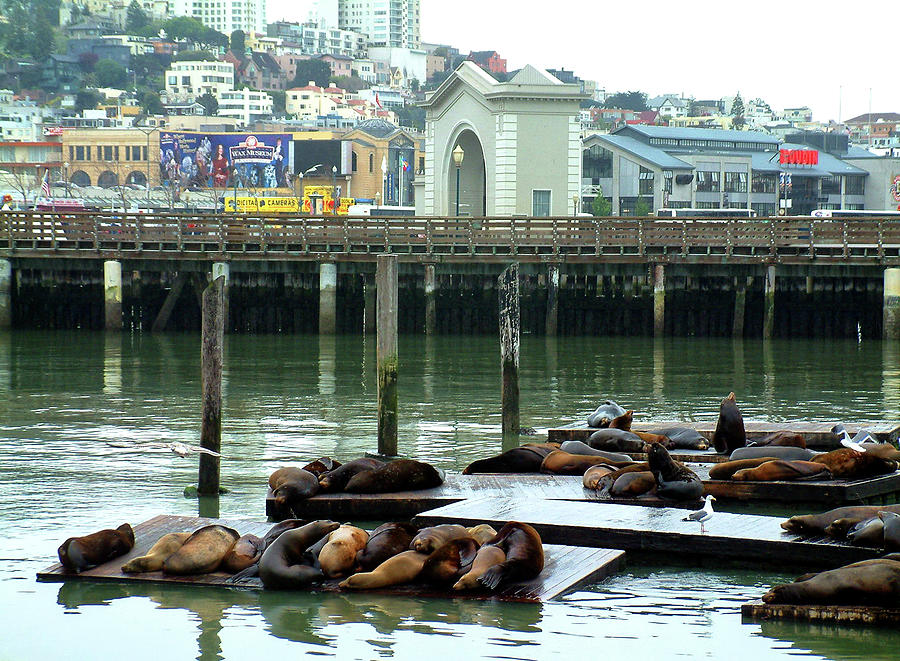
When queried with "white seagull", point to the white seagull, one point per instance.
{"points": [[848, 442], [702, 515], [181, 449]]}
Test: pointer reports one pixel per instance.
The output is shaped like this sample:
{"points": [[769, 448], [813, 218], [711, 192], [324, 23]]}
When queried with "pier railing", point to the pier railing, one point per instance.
{"points": [[867, 240]]}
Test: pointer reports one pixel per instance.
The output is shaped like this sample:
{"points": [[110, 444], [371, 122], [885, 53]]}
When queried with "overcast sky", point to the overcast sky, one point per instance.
{"points": [[792, 53]]}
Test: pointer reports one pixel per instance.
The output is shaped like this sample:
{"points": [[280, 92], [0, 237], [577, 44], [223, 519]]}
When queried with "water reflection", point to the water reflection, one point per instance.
{"points": [[112, 363], [844, 642]]}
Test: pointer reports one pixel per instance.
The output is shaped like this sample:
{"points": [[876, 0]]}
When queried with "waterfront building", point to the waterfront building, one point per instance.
{"points": [[378, 143], [187, 80], [107, 157], [225, 16]]}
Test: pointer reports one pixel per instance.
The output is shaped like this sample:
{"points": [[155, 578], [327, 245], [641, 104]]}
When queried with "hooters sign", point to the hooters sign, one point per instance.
{"points": [[798, 156]]}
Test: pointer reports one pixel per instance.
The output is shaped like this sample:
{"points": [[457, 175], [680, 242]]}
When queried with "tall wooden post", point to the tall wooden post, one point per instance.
{"points": [[508, 290], [386, 358], [430, 300], [112, 294], [769, 312], [891, 305], [223, 269], [552, 300], [328, 298], [213, 336], [740, 305], [5, 293], [659, 300]]}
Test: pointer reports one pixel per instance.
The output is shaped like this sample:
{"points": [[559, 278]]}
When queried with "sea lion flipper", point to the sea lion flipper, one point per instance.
{"points": [[250, 572]]}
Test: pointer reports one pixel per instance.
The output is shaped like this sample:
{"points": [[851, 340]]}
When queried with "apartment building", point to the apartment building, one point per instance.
{"points": [[185, 81]]}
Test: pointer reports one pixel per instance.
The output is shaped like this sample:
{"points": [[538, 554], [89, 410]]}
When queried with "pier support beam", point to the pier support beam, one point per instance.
{"points": [[659, 300], [223, 269], [112, 295], [430, 300], [552, 300], [212, 339], [508, 290], [386, 357], [5, 293], [327, 298], [891, 305], [740, 304], [769, 311], [368, 303]]}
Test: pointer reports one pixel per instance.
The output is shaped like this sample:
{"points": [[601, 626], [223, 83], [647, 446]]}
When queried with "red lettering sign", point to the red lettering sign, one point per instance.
{"points": [[798, 156]]}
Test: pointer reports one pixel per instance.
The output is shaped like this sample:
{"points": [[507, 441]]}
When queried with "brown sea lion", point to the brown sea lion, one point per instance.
{"points": [[623, 421], [203, 551], [882, 451], [848, 464], [661, 439], [487, 557], [451, 561], [891, 534], [338, 556], [604, 414], [481, 533], [866, 583], [779, 439], [290, 485], [283, 564], [245, 552], [524, 459], [594, 474], [80, 553], [773, 451], [398, 475], [683, 437], [633, 484], [524, 555], [606, 482], [387, 540], [579, 447], [781, 470], [726, 469], [321, 466], [335, 480], [729, 434], [616, 440], [274, 532], [810, 524], [674, 480], [401, 568], [429, 539], [563, 463], [867, 533], [154, 558]]}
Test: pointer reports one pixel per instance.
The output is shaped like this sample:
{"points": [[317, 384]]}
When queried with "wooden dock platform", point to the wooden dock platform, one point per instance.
{"points": [[743, 537], [565, 567], [757, 611]]}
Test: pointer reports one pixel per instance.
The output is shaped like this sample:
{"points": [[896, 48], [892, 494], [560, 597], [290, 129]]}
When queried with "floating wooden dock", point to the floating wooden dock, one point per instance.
{"points": [[744, 537], [565, 567], [757, 611]]}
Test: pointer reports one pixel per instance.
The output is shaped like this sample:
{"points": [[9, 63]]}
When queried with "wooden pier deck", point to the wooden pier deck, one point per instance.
{"points": [[757, 611], [743, 537], [565, 567]]}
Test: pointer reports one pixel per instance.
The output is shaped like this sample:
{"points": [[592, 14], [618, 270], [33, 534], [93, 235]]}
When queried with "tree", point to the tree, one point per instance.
{"points": [[28, 28], [238, 44], [152, 104], [351, 84], [87, 61], [601, 206], [210, 103], [636, 101], [194, 56], [737, 112], [411, 116], [110, 74], [317, 71], [135, 19], [86, 100], [278, 102], [642, 207]]}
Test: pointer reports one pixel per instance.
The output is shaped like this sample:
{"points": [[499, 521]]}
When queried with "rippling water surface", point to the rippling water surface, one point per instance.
{"points": [[63, 396]]}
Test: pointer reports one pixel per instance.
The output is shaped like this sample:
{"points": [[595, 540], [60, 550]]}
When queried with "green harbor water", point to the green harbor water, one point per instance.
{"points": [[288, 399]]}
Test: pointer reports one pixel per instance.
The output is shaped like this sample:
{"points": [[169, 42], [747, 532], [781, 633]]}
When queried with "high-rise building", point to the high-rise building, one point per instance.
{"points": [[388, 23], [226, 16]]}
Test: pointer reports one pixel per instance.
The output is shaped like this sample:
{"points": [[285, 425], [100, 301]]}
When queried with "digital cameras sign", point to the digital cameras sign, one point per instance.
{"points": [[220, 160]]}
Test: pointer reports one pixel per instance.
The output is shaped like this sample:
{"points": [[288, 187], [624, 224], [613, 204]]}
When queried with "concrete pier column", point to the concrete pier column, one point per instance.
{"points": [[5, 293], [327, 298], [430, 300], [386, 355], [223, 269], [740, 304], [368, 303], [112, 294], [552, 300], [769, 311], [659, 300], [891, 305]]}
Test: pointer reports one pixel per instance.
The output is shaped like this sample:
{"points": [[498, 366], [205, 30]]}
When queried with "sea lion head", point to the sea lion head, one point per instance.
{"points": [[445, 564]]}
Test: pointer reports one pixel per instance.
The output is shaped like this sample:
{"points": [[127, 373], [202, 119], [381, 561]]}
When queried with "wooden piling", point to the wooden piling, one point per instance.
{"points": [[223, 269], [5, 293], [430, 300], [659, 300], [891, 304], [387, 286], [328, 298], [552, 300], [112, 295], [212, 339], [159, 324], [740, 304], [508, 294], [769, 313]]}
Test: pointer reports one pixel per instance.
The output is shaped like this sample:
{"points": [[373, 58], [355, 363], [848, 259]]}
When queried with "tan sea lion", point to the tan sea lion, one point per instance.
{"points": [[481, 533], [523, 459], [447, 564], [153, 560], [80, 553], [524, 555], [848, 464], [623, 421], [659, 439], [726, 469], [401, 568], [283, 564], [291, 485], [202, 552], [593, 475], [245, 552], [387, 540], [397, 475], [338, 556], [633, 484], [674, 480], [882, 451], [487, 557], [782, 470], [779, 439], [564, 463], [729, 434], [866, 583], [810, 524], [429, 539], [335, 480], [867, 533], [579, 447]]}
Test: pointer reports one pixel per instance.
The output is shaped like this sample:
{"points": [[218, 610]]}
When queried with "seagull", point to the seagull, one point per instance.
{"points": [[181, 449], [848, 442], [702, 515]]}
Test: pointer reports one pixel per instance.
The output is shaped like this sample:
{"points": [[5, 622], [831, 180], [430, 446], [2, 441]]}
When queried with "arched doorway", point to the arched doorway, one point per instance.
{"points": [[472, 189], [80, 178], [137, 178], [107, 179]]}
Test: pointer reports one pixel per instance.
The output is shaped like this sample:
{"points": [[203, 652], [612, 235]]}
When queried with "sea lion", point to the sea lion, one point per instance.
{"points": [[848, 464], [683, 437], [523, 459], [524, 555], [154, 558], [724, 470], [401, 568], [782, 470], [202, 552], [481, 533], [290, 485], [252, 569], [578, 447], [623, 421], [776, 451], [674, 480], [593, 475], [606, 482], [398, 475], [617, 440], [80, 553], [729, 434], [387, 540], [779, 439], [649, 438], [321, 466], [338, 556], [867, 533], [487, 557], [604, 414], [563, 463], [245, 552], [447, 564], [866, 583], [434, 537], [882, 451], [335, 480], [281, 565], [633, 484], [891, 535], [809, 524]]}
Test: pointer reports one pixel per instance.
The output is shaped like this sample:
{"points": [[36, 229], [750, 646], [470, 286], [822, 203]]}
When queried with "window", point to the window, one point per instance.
{"points": [[107, 153], [735, 182], [540, 203], [596, 163], [763, 208], [707, 181], [353, 162], [763, 183], [645, 182], [831, 185], [79, 153], [667, 181], [371, 162], [855, 185]]}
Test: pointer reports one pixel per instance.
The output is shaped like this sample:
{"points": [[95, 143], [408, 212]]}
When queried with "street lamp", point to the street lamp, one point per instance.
{"points": [[333, 189], [300, 177], [148, 132], [458, 155], [66, 169], [574, 205]]}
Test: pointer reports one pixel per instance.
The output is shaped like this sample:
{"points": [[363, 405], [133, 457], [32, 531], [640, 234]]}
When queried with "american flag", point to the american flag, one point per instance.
{"points": [[45, 183]]}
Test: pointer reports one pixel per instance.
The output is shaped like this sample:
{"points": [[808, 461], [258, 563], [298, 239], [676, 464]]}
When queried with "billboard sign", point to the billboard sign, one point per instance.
{"points": [[261, 204]]}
